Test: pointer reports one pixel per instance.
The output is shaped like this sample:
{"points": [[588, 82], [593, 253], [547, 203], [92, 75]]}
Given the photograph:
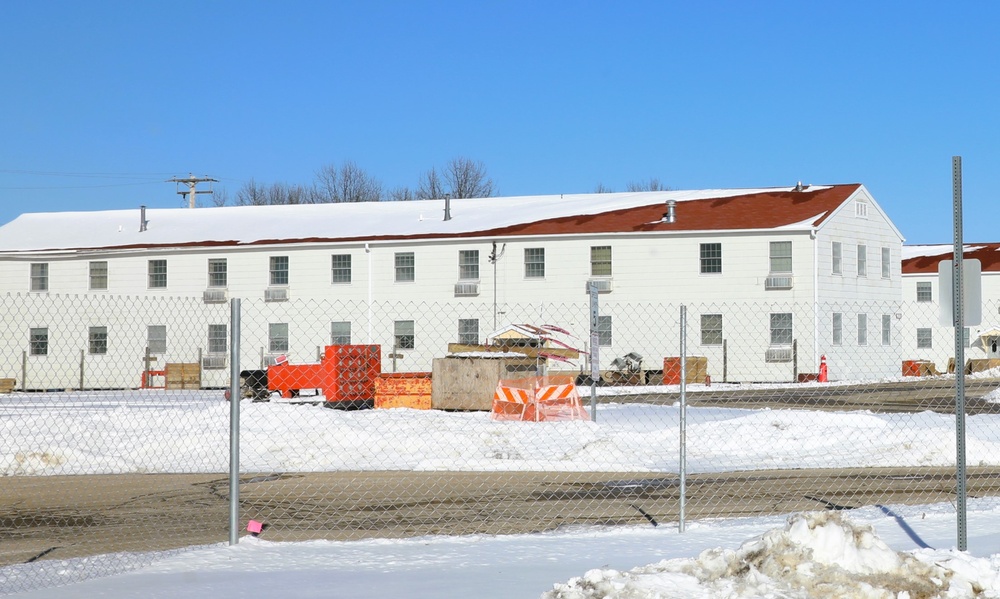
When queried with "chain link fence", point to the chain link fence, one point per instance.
{"points": [[116, 427]]}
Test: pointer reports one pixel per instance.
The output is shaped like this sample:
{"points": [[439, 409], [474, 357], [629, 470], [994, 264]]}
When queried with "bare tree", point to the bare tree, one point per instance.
{"points": [[430, 187], [251, 194], [652, 184], [600, 188], [401, 194], [349, 183], [468, 179]]}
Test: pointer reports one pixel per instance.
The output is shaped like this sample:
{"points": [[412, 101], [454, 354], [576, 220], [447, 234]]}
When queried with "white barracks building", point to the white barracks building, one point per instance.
{"points": [[762, 271]]}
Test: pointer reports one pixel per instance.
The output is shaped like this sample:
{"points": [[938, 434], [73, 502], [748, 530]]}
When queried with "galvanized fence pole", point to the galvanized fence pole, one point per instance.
{"points": [[235, 395], [958, 320], [595, 360], [683, 418]]}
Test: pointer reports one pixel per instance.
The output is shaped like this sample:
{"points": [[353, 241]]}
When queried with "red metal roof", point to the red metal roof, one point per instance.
{"points": [[988, 255]]}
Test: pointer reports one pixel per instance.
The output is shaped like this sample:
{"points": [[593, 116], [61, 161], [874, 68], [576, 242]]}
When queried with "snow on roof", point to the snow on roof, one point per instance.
{"points": [[240, 225], [923, 259]]}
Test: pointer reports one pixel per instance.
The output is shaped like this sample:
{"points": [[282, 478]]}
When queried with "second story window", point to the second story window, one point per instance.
{"points": [[98, 275], [862, 260], [157, 271], [40, 276], [218, 272], [886, 263], [406, 267], [838, 258], [341, 268], [600, 261], [924, 291], [711, 258], [534, 263], [279, 270], [468, 265], [781, 257]]}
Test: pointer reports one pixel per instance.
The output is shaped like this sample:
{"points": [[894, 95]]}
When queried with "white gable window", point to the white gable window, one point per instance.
{"points": [[862, 260], [861, 208], [838, 258]]}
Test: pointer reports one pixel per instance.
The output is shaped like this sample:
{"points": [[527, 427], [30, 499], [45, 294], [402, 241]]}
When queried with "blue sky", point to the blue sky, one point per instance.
{"points": [[103, 101]]}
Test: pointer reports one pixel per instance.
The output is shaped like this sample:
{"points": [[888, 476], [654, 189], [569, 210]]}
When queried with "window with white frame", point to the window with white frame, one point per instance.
{"points": [[887, 329], [340, 332], [156, 271], [97, 340], [278, 270], [40, 276], [711, 258], [600, 261], [924, 291], [604, 330], [468, 265], [862, 260], [218, 339], [780, 256], [838, 328], [468, 331], [218, 272], [403, 335], [340, 265], [277, 337], [38, 341], [838, 258], [862, 329], [156, 339], [886, 263], [711, 329], [781, 329], [98, 272], [406, 267], [924, 340], [534, 263], [861, 208]]}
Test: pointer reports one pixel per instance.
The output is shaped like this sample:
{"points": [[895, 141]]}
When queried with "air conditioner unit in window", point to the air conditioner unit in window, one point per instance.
{"points": [[778, 354], [215, 296], [466, 289], [778, 282], [276, 294], [213, 362], [602, 285]]}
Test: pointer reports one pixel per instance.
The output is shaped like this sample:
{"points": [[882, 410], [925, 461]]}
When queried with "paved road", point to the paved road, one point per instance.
{"points": [[63, 517]]}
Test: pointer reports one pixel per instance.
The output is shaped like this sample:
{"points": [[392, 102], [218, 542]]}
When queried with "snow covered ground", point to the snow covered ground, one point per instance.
{"points": [[816, 554], [901, 552]]}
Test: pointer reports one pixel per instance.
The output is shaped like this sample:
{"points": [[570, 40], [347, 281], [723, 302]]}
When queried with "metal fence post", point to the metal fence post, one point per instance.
{"points": [[683, 419], [235, 395], [595, 343], [958, 319]]}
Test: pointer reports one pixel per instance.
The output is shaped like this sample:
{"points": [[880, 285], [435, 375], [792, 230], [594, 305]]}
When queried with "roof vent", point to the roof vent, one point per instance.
{"points": [[142, 219], [671, 214], [447, 206], [800, 187]]}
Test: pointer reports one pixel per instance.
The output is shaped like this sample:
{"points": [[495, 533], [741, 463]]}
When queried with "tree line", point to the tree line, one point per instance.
{"points": [[458, 178]]}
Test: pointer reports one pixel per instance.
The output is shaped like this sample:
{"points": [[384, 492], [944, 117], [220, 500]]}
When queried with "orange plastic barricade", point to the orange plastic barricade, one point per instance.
{"points": [[537, 399]]}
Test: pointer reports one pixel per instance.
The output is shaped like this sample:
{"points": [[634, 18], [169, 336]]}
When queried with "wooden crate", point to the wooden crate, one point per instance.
{"points": [[7, 385], [183, 375], [695, 371], [469, 383]]}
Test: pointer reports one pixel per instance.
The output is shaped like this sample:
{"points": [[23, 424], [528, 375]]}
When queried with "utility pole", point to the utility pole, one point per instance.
{"points": [[192, 183]]}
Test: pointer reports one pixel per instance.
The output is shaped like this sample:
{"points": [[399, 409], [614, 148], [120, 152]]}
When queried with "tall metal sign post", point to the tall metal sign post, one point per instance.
{"points": [[959, 321]]}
